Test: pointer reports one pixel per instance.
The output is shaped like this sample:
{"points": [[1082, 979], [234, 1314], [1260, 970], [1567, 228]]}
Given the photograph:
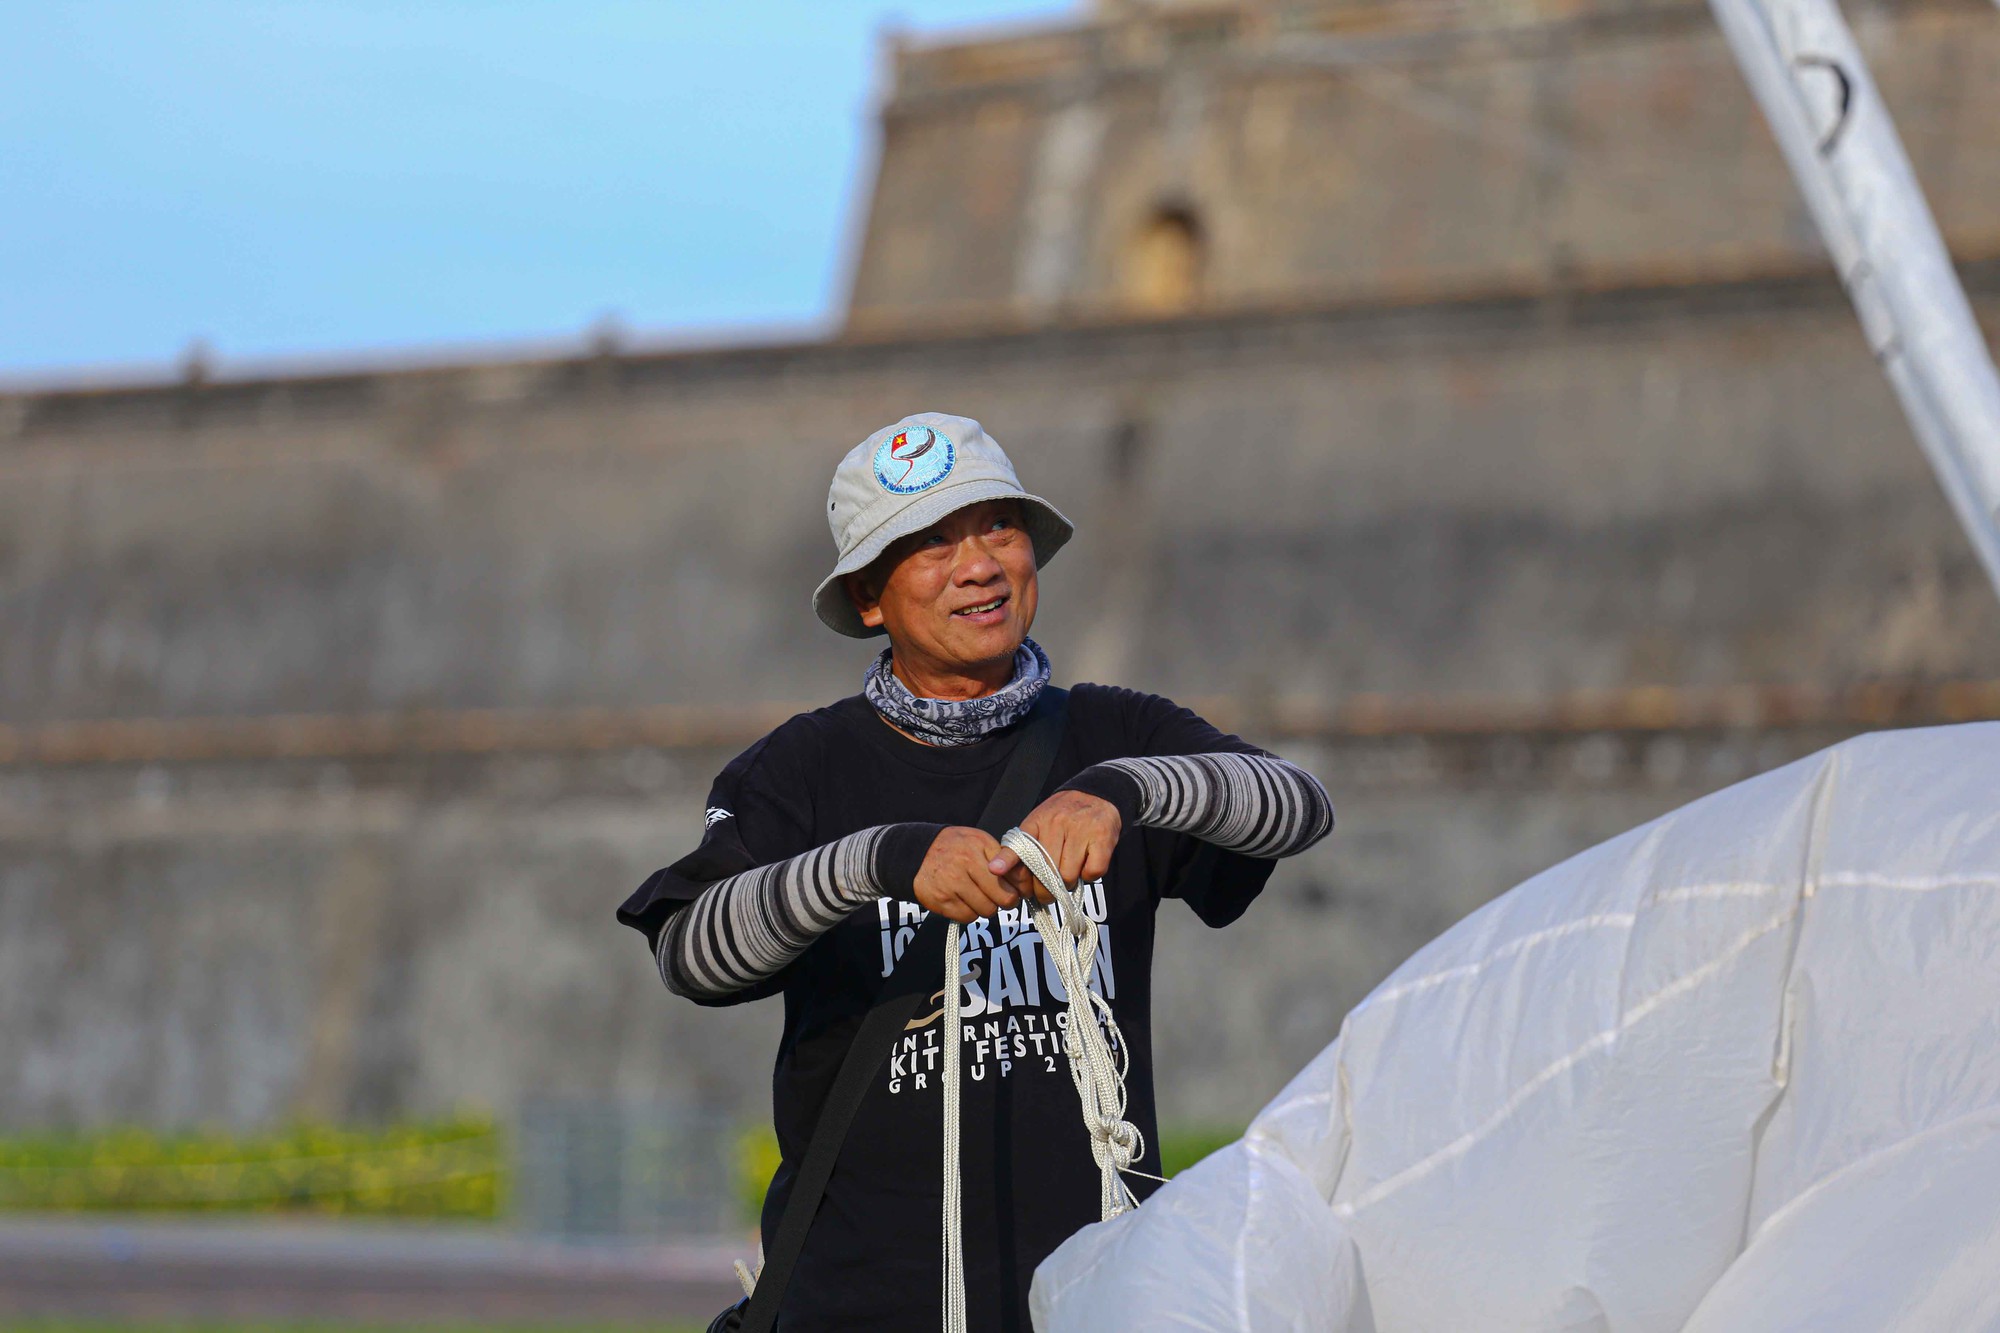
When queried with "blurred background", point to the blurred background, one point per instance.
{"points": [[414, 422]]}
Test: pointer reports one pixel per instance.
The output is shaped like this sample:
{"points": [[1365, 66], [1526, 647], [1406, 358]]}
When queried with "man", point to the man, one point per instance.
{"points": [[829, 841]]}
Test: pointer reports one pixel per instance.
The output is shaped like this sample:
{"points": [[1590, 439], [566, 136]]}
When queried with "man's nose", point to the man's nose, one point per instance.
{"points": [[976, 563]]}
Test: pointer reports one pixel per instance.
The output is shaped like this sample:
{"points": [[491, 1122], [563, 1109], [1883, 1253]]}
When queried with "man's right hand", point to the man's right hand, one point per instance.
{"points": [[955, 880]]}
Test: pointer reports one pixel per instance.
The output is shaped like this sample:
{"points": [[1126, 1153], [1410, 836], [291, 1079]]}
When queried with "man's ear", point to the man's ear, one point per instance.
{"points": [[865, 598]]}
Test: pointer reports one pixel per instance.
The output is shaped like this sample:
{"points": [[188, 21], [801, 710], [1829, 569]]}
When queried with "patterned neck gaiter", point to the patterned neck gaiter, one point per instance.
{"points": [[958, 721]]}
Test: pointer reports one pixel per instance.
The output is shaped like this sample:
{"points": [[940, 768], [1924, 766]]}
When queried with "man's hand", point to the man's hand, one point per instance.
{"points": [[956, 879], [1078, 831]]}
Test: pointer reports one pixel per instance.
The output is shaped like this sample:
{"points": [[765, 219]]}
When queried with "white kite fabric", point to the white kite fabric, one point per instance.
{"points": [[1736, 1070]]}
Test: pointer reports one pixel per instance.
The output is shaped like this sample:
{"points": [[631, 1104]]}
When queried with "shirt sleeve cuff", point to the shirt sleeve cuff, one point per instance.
{"points": [[1111, 784], [900, 854]]}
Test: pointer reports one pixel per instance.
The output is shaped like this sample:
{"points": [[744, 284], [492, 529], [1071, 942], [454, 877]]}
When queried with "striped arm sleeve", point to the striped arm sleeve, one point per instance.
{"points": [[746, 928], [1255, 804]]}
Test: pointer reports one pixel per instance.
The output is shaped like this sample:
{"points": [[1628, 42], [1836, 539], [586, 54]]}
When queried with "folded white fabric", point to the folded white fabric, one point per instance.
{"points": [[1736, 1070]]}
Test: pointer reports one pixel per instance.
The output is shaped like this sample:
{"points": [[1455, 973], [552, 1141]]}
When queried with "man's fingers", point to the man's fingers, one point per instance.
{"points": [[1098, 863], [1070, 860], [1032, 886], [999, 893], [998, 896], [984, 894], [1007, 866]]}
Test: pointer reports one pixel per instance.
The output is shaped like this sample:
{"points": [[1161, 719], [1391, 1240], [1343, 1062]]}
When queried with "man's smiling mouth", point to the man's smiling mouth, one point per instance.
{"points": [[983, 607]]}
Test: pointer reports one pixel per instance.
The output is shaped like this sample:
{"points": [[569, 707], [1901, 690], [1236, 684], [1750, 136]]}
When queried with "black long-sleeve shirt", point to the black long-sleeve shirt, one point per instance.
{"points": [[813, 833]]}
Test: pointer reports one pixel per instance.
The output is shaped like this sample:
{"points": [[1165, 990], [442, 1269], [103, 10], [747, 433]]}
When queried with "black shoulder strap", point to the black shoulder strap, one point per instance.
{"points": [[1013, 797]]}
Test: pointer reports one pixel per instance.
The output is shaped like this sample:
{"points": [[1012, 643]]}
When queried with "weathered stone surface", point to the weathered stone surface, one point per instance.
{"points": [[1557, 434], [1521, 496], [1342, 151], [243, 943]]}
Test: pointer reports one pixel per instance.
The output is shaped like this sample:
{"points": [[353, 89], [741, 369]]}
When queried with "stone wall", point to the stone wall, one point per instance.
{"points": [[1706, 486], [1349, 151], [242, 943], [336, 714]]}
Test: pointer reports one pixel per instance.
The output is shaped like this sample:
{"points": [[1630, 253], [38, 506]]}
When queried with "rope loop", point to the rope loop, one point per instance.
{"points": [[1098, 1056], [1098, 1060]]}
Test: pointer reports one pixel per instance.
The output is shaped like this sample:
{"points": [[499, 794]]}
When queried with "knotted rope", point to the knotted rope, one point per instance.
{"points": [[1098, 1058]]}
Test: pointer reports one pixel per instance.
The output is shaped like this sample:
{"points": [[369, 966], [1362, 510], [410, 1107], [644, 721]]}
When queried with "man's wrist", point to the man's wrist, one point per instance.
{"points": [[1114, 785], [900, 855]]}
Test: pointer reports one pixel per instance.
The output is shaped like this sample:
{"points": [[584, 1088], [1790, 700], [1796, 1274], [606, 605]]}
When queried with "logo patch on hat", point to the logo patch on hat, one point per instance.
{"points": [[914, 460]]}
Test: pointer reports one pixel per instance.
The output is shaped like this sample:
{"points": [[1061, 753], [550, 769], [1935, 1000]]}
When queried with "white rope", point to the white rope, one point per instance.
{"points": [[1097, 1062], [1097, 1052], [954, 1240]]}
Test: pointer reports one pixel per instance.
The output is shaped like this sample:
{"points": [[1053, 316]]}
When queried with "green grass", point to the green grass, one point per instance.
{"points": [[454, 1169], [442, 1169], [1183, 1146]]}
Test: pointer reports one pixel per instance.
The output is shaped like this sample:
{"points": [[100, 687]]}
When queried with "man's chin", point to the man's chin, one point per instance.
{"points": [[976, 646]]}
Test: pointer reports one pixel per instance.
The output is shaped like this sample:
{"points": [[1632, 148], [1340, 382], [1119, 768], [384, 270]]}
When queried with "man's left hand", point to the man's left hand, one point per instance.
{"points": [[1078, 831]]}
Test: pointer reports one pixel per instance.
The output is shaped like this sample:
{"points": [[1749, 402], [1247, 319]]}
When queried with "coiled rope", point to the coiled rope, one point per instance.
{"points": [[1098, 1058]]}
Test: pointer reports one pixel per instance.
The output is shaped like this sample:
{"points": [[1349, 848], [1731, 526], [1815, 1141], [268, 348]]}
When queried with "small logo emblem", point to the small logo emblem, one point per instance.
{"points": [[914, 460], [716, 814]]}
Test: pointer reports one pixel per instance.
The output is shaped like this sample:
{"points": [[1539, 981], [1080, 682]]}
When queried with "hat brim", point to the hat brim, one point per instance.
{"points": [[1047, 528]]}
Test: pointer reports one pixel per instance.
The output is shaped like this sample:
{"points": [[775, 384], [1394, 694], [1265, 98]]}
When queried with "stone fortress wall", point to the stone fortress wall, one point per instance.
{"points": [[337, 711], [1381, 150]]}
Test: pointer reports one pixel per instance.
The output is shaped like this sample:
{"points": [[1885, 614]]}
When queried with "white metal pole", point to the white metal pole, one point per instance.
{"points": [[1801, 62]]}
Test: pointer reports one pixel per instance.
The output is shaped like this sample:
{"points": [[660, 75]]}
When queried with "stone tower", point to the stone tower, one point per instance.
{"points": [[1158, 158]]}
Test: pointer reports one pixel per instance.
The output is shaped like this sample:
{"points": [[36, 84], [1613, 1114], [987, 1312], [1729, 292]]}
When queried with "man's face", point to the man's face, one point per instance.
{"points": [[956, 597]]}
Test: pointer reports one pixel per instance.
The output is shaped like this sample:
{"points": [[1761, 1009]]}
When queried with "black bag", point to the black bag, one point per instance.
{"points": [[1013, 798]]}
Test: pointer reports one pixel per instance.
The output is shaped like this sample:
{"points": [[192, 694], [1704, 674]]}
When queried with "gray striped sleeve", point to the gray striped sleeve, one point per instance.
{"points": [[745, 928], [1256, 804]]}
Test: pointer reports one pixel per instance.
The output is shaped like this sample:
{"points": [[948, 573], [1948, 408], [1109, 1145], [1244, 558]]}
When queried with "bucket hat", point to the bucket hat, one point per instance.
{"points": [[904, 478]]}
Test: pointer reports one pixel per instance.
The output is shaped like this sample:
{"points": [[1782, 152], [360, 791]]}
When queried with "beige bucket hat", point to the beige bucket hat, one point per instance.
{"points": [[904, 478]]}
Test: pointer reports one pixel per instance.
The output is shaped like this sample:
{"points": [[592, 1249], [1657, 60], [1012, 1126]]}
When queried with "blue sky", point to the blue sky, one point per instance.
{"points": [[308, 180]]}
